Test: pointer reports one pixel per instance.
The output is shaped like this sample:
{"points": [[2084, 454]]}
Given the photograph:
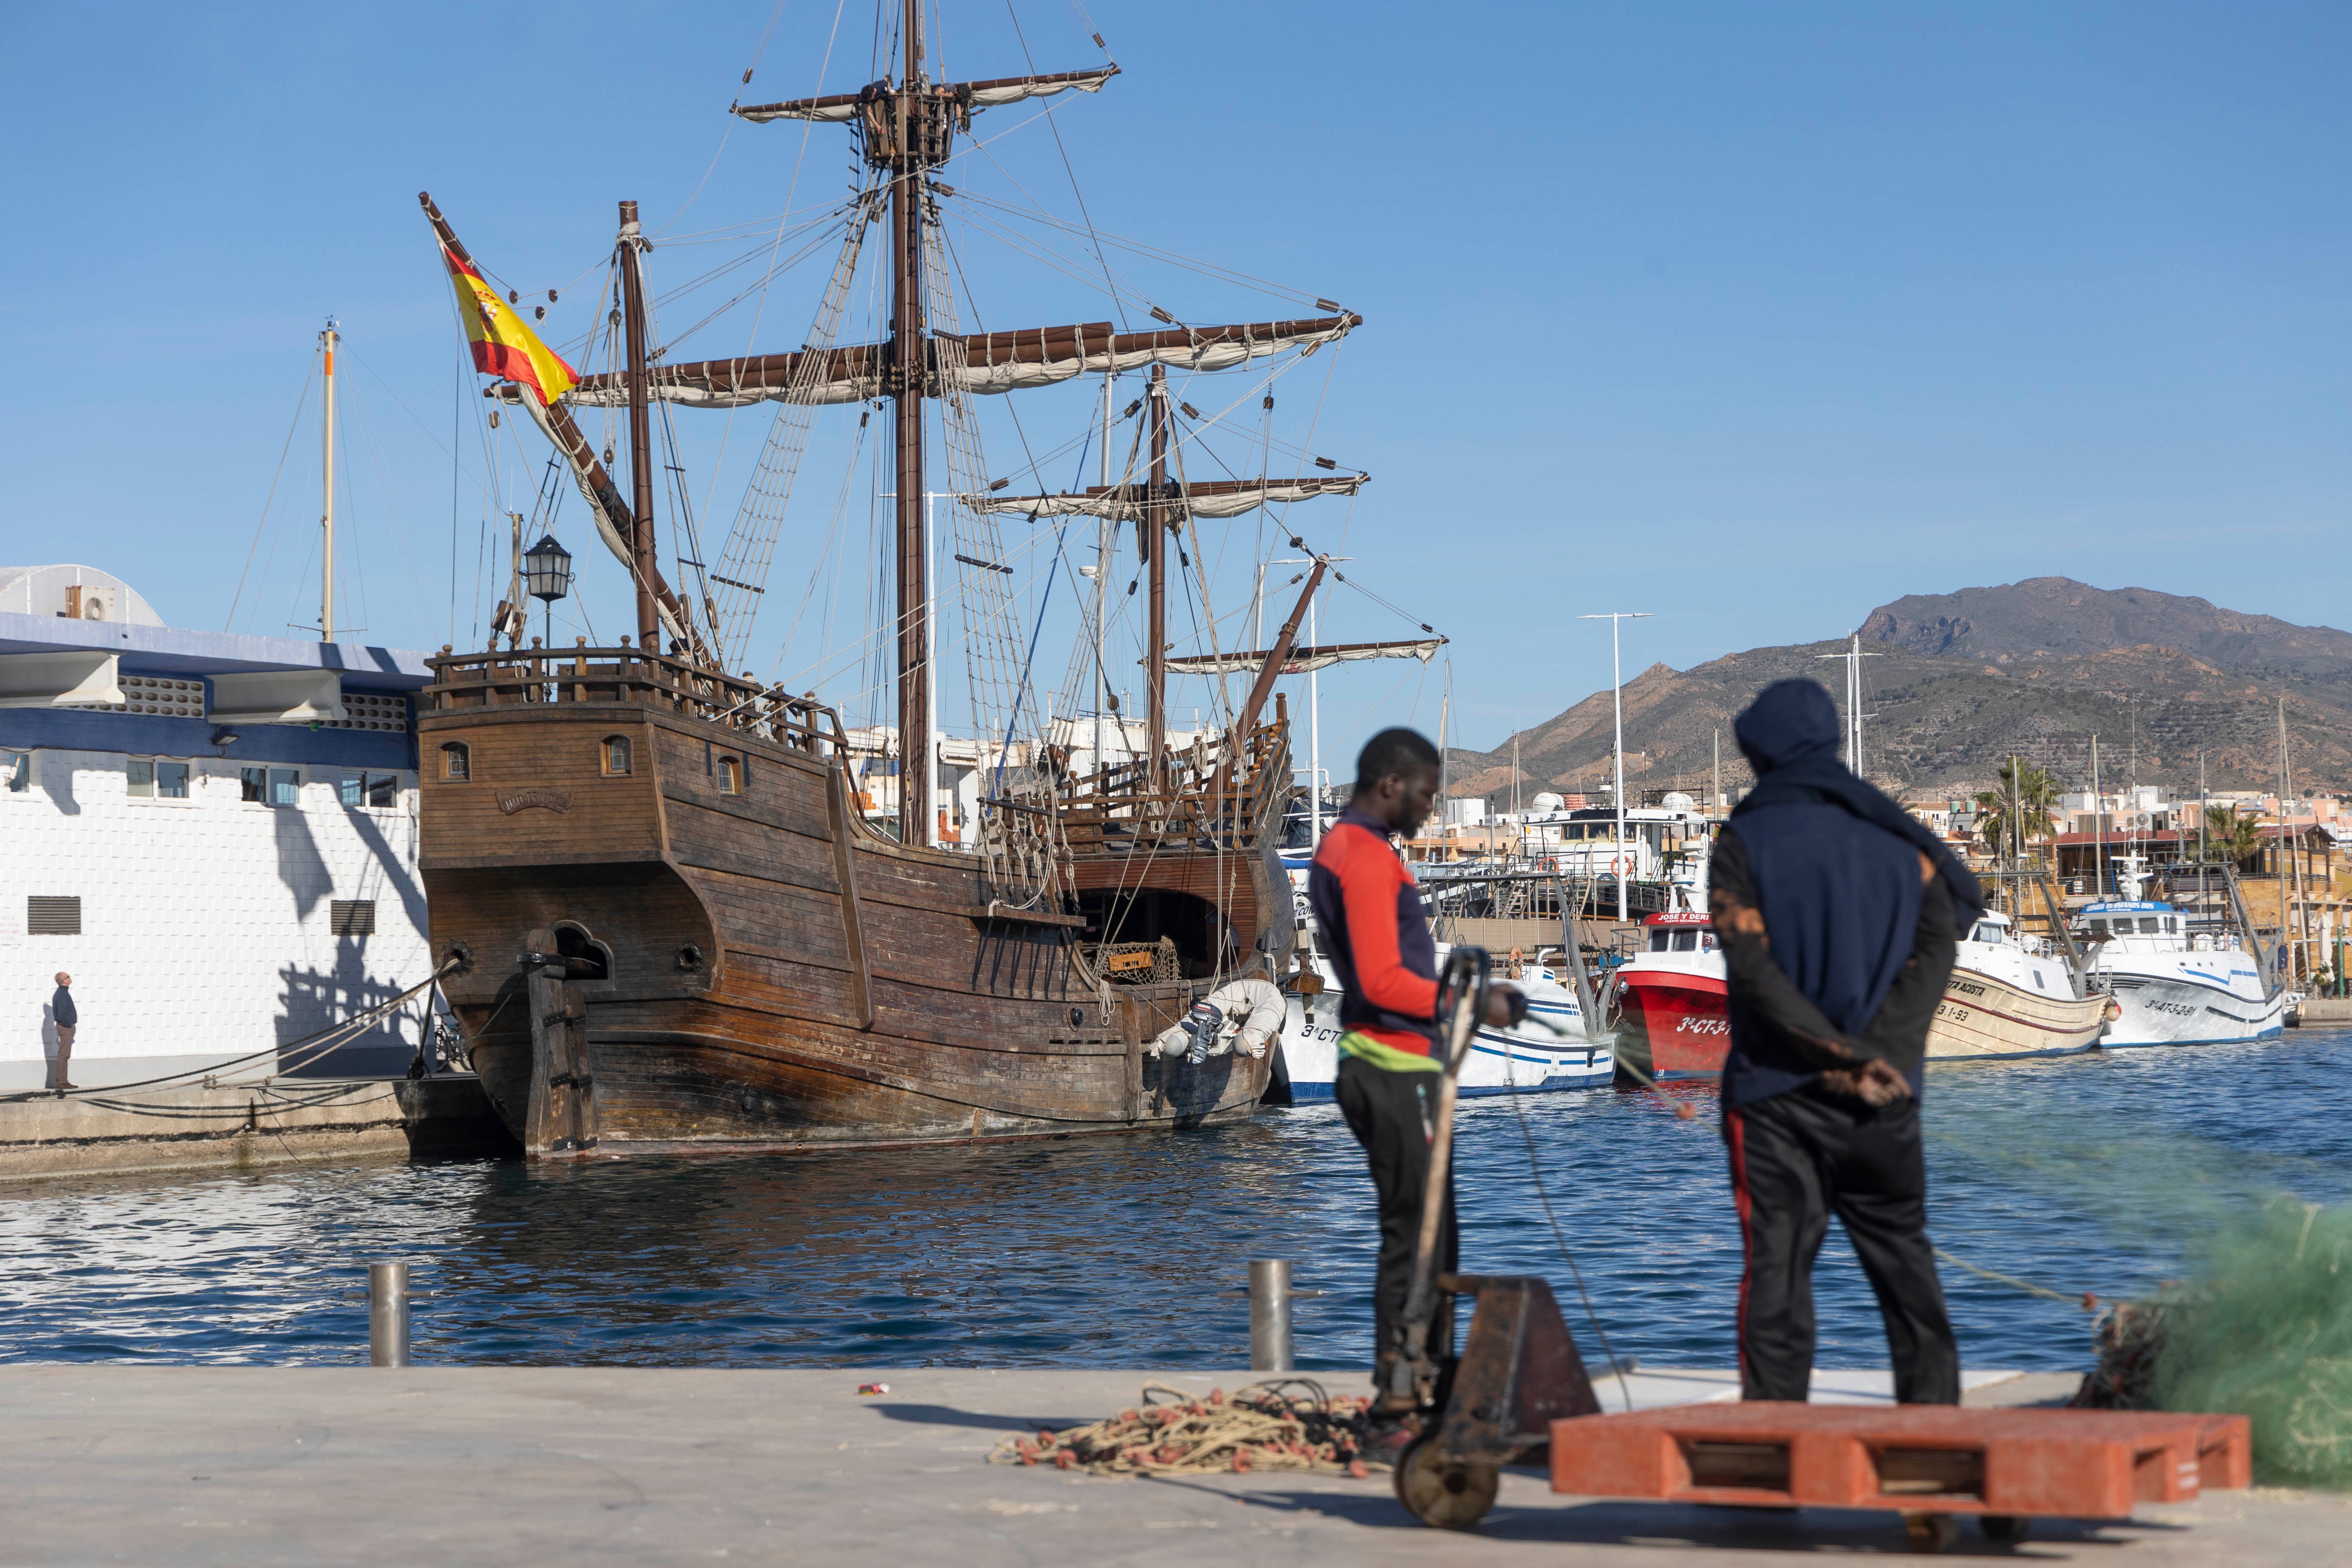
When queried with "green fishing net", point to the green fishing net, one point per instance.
{"points": [[2266, 1331]]}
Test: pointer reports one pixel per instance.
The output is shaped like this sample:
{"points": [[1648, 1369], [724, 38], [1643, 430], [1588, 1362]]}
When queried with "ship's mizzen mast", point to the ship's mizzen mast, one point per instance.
{"points": [[616, 519], [641, 445], [1152, 539]]}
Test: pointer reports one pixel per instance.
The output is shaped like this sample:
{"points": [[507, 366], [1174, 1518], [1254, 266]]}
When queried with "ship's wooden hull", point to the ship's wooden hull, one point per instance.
{"points": [[1984, 1019], [773, 972]]}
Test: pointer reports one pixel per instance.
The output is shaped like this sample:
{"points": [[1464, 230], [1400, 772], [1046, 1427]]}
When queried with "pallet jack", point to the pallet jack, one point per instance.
{"points": [[1519, 1392], [1519, 1369]]}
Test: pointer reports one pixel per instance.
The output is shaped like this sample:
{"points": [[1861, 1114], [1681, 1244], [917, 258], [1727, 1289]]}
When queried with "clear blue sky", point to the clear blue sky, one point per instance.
{"points": [[1752, 316]]}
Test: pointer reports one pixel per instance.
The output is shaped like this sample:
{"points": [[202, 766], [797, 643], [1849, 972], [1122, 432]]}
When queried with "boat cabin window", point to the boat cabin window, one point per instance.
{"points": [[1987, 933], [730, 776], [1685, 942], [1658, 940], [2149, 925], [457, 762], [616, 755]]}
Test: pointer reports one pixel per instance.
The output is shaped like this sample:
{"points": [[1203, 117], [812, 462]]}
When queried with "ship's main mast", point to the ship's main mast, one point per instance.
{"points": [[909, 155]]}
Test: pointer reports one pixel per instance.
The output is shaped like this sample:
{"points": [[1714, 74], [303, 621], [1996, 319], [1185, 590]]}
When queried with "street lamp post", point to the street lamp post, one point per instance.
{"points": [[547, 572], [1617, 697]]}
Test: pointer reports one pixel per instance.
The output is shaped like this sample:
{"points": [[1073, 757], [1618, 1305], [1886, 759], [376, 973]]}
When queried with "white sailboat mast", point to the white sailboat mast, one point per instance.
{"points": [[327, 341], [1617, 697]]}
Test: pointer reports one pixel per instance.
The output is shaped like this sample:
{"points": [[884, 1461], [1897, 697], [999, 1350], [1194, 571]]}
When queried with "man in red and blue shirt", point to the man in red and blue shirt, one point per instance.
{"points": [[1370, 921]]}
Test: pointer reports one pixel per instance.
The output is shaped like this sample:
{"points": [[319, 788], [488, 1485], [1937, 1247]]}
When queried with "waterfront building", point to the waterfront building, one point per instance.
{"points": [[214, 834]]}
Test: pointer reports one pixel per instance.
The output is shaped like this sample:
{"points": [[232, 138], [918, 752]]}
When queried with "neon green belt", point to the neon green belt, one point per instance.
{"points": [[1388, 1059]]}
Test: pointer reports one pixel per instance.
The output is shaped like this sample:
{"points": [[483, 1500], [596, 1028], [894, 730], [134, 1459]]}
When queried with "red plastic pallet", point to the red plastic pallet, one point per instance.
{"points": [[2074, 1464]]}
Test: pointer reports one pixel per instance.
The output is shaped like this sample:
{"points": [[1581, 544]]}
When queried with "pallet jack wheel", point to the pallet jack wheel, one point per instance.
{"points": [[1930, 1532], [1447, 1493], [2008, 1526]]}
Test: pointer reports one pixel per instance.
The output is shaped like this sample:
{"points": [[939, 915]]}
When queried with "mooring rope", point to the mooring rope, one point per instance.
{"points": [[1260, 1427], [323, 1041]]}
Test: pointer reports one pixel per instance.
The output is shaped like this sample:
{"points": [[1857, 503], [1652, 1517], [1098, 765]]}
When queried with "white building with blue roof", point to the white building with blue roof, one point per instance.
{"points": [[213, 834]]}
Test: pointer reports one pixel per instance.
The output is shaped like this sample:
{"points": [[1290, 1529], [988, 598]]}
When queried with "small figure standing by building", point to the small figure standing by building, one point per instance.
{"points": [[63, 1015], [1838, 914], [1370, 921]]}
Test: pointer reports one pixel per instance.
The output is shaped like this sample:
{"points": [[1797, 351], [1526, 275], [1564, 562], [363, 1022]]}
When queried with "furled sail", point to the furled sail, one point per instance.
{"points": [[1303, 659], [1215, 498], [992, 363], [840, 106]]}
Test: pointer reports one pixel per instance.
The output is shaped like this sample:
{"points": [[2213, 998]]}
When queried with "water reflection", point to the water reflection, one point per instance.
{"points": [[2095, 1174]]}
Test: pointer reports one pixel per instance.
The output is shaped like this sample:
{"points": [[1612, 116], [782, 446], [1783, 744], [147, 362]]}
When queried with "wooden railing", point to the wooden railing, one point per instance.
{"points": [[1196, 801], [533, 677]]}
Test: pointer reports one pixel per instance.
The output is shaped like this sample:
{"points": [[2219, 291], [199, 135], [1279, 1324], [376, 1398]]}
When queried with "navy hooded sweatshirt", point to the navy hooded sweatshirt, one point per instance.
{"points": [[1860, 947]]}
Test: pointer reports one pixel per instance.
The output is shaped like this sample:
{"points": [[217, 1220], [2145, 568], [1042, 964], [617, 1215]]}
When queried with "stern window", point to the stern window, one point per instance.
{"points": [[457, 762], [616, 755], [730, 776]]}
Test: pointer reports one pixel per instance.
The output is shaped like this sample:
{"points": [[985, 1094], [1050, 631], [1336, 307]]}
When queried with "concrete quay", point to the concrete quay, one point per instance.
{"points": [[292, 1119], [250, 1465]]}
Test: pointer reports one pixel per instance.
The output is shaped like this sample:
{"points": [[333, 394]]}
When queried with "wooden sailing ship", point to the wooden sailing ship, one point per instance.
{"points": [[666, 918]]}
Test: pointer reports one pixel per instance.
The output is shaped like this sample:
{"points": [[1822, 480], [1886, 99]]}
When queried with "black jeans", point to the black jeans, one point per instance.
{"points": [[1795, 1158], [1394, 1116]]}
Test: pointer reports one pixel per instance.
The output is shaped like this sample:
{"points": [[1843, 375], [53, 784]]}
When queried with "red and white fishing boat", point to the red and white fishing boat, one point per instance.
{"points": [[1673, 1018]]}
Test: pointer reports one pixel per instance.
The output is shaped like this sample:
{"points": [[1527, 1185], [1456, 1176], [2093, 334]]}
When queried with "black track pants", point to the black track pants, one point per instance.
{"points": [[1795, 1158], [1394, 1116]]}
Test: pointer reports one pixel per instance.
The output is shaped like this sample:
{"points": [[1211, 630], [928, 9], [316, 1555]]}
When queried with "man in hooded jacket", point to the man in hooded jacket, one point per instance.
{"points": [[1838, 913]]}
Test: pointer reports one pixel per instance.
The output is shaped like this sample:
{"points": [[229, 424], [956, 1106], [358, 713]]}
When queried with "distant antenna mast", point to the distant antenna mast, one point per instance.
{"points": [[1853, 702], [327, 341]]}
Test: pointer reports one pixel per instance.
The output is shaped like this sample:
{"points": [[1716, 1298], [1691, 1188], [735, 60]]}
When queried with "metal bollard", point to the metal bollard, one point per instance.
{"points": [[388, 1314], [1270, 1297]]}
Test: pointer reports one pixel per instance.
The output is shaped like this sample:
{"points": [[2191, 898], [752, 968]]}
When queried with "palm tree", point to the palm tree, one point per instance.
{"points": [[2231, 836], [2025, 793]]}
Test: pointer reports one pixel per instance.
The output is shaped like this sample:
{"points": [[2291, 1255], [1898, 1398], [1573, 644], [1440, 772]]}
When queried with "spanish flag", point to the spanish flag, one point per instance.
{"points": [[503, 346]]}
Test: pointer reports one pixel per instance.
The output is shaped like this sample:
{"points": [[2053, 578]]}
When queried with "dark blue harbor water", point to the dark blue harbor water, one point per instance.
{"points": [[2095, 1174]]}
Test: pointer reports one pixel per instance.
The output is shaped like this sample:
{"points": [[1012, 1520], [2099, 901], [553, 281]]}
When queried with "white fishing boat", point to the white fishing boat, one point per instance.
{"points": [[1530, 1059], [2010, 996], [2176, 986]]}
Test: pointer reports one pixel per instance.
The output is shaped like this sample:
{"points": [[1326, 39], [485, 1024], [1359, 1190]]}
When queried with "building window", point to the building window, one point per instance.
{"points": [[152, 778], [253, 784], [371, 789], [730, 776], [457, 762], [285, 785], [617, 754], [17, 771], [53, 915], [352, 917]]}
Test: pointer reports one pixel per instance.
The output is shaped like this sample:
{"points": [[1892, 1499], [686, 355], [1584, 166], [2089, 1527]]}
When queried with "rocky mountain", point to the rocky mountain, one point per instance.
{"points": [[1958, 681], [2047, 617]]}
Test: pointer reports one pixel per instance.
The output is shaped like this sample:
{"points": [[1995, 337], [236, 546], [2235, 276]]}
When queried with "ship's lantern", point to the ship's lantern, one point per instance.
{"points": [[547, 569]]}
